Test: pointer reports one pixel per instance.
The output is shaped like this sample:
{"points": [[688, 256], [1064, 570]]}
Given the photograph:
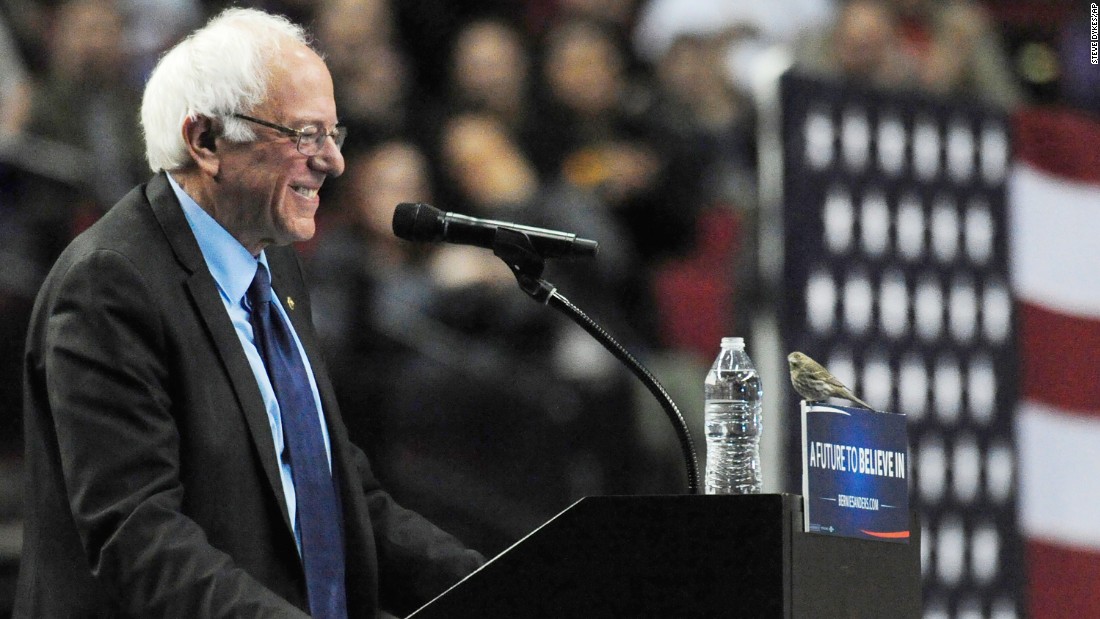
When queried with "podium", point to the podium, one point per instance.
{"points": [[688, 556]]}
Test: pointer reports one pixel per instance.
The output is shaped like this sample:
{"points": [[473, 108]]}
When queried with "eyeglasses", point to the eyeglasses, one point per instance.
{"points": [[310, 140]]}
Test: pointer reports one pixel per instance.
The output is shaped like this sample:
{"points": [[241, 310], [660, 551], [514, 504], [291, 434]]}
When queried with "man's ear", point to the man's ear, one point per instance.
{"points": [[200, 133]]}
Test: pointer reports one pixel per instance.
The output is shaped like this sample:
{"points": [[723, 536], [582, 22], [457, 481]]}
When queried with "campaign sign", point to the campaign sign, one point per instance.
{"points": [[855, 475]]}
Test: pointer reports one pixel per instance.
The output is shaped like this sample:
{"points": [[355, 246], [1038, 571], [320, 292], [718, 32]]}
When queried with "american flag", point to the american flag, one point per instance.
{"points": [[1055, 213], [896, 276]]}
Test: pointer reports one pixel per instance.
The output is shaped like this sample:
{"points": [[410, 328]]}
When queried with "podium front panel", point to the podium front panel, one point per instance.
{"points": [[685, 557]]}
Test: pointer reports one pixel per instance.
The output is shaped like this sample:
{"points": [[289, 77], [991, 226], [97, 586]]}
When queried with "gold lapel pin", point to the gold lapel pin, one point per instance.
{"points": [[290, 303]]}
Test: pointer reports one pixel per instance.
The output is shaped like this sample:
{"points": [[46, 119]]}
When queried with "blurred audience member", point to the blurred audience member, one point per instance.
{"points": [[374, 87], [497, 181], [484, 165], [957, 51], [494, 179], [28, 22], [152, 26], [862, 48], [585, 80], [595, 133], [707, 130], [365, 279], [36, 216], [350, 27], [427, 30], [376, 99], [490, 72], [86, 101], [617, 18], [582, 403], [15, 86], [706, 124], [20, 276]]}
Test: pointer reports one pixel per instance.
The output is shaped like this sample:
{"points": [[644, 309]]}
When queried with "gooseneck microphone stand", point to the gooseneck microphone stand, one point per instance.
{"points": [[517, 251]]}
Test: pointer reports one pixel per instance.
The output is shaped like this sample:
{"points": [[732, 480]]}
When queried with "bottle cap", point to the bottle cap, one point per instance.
{"points": [[736, 343]]}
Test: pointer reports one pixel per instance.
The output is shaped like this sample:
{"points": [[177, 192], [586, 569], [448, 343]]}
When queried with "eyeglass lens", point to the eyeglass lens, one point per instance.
{"points": [[310, 142]]}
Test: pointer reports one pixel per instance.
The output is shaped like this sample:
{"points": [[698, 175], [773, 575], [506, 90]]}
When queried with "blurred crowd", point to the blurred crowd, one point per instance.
{"points": [[631, 122]]}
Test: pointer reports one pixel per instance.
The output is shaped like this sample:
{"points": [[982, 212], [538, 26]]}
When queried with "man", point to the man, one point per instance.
{"points": [[185, 455]]}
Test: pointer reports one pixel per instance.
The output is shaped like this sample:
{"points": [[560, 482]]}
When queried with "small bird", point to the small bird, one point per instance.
{"points": [[814, 383]]}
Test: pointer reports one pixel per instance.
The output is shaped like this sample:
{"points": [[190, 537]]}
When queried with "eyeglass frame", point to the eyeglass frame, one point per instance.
{"points": [[338, 134]]}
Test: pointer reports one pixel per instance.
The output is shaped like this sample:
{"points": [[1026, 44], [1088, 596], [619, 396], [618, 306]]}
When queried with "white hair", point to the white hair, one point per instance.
{"points": [[219, 70]]}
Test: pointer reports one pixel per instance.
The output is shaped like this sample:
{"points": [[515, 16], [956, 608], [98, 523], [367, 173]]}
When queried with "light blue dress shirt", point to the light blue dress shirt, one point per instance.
{"points": [[233, 268]]}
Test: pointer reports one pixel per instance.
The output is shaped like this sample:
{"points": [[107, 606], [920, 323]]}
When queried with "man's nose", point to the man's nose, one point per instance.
{"points": [[330, 160]]}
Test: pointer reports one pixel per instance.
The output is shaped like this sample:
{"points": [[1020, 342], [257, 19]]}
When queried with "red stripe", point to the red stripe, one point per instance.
{"points": [[886, 534], [1062, 582], [1064, 143], [1060, 359]]}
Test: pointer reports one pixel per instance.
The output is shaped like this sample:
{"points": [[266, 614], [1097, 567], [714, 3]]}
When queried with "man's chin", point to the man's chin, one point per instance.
{"points": [[290, 237]]}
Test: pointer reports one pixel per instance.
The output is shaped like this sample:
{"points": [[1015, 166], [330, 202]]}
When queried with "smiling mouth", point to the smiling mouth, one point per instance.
{"points": [[305, 192]]}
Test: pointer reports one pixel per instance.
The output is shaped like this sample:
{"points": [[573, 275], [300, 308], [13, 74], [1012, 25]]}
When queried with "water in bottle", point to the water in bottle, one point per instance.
{"points": [[732, 416]]}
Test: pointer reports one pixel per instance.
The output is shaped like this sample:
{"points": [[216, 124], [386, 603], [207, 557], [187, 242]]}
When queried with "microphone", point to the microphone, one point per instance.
{"points": [[425, 223]]}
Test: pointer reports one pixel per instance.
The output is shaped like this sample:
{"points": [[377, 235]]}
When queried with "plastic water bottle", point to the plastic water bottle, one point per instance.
{"points": [[733, 399]]}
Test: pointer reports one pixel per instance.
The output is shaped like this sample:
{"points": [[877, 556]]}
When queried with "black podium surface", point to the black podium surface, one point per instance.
{"points": [[688, 556]]}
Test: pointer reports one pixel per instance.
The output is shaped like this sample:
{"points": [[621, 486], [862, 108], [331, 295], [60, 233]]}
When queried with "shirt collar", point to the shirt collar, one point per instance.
{"points": [[232, 266]]}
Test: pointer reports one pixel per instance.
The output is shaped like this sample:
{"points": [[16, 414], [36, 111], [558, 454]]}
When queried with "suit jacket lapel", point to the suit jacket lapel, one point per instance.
{"points": [[204, 291]]}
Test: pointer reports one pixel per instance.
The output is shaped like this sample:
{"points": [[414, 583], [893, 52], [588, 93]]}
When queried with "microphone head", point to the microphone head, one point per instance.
{"points": [[418, 222], [585, 248]]}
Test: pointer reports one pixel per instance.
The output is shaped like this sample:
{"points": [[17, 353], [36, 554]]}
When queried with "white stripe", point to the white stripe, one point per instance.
{"points": [[1058, 455], [1055, 241]]}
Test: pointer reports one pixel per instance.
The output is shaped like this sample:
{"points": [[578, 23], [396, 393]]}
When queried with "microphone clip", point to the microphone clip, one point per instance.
{"points": [[526, 263]]}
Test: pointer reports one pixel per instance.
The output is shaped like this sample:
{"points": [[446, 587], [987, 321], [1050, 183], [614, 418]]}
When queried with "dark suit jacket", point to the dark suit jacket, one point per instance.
{"points": [[152, 483]]}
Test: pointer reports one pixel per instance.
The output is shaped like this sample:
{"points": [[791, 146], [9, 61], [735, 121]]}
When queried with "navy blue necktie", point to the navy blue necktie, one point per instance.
{"points": [[318, 514]]}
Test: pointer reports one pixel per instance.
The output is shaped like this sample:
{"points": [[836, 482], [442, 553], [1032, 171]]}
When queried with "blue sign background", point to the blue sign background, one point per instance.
{"points": [[855, 477]]}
